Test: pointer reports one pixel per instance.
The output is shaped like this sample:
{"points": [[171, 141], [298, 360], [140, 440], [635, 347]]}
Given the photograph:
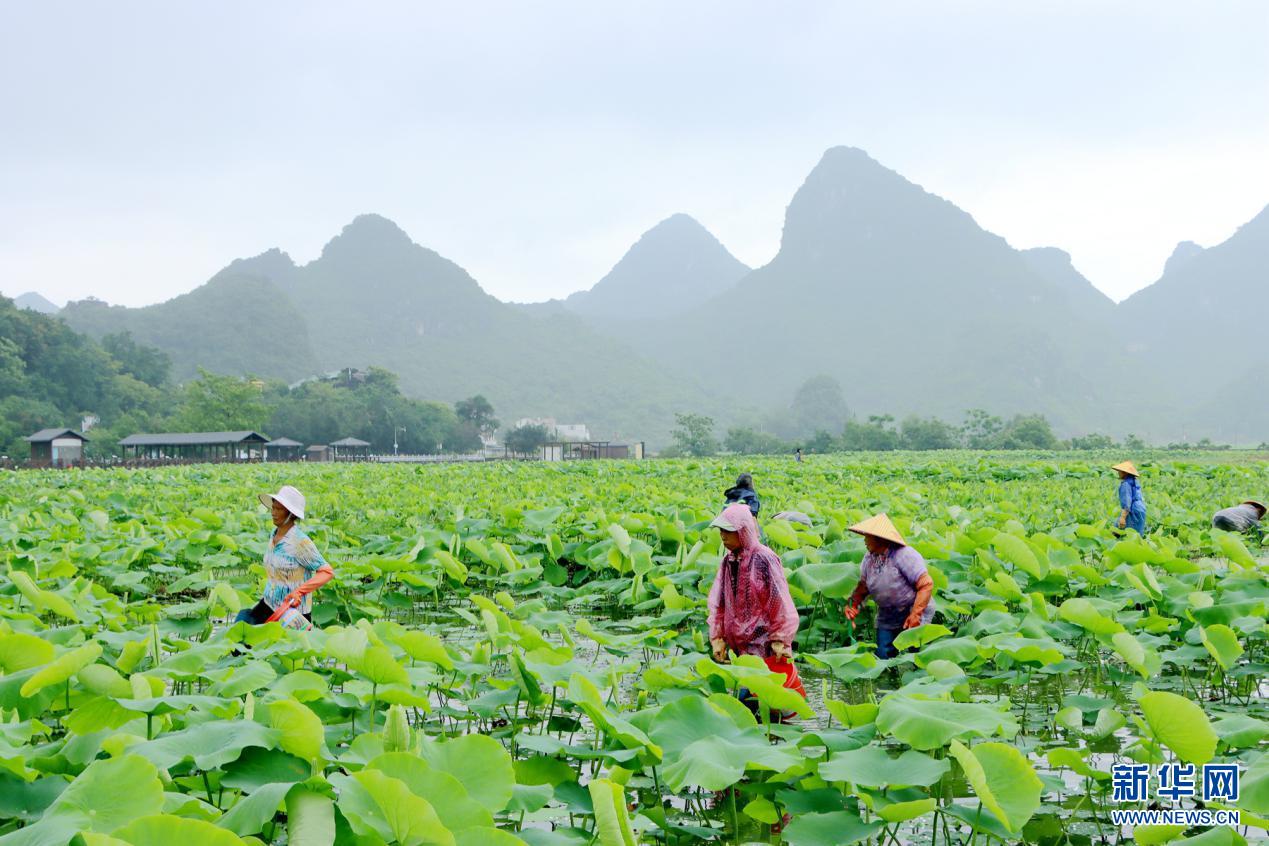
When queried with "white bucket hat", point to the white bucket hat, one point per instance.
{"points": [[290, 498]]}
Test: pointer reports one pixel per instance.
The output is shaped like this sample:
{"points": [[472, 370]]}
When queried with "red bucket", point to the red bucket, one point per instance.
{"points": [[792, 681]]}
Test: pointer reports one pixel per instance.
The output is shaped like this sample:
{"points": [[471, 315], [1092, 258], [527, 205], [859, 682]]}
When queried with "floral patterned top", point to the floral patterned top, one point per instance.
{"points": [[288, 564]]}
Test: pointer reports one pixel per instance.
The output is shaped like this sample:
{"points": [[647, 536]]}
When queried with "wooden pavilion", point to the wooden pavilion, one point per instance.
{"points": [[350, 449], [195, 446], [283, 449]]}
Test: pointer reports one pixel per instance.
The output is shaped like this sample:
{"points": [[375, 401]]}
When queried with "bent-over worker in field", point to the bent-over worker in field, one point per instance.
{"points": [[293, 566], [1132, 504], [1243, 517], [895, 576], [750, 609]]}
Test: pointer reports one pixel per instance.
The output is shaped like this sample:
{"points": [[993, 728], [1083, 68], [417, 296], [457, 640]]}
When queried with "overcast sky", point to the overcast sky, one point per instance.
{"points": [[143, 146]]}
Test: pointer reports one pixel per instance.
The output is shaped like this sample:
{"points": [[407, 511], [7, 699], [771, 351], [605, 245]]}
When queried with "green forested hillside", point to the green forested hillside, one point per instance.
{"points": [[51, 375], [239, 322]]}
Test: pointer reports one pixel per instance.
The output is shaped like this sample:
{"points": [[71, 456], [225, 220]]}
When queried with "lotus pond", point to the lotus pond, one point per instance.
{"points": [[516, 653]]}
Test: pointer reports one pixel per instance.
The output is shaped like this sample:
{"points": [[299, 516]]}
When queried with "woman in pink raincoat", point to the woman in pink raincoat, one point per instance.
{"points": [[750, 609]]}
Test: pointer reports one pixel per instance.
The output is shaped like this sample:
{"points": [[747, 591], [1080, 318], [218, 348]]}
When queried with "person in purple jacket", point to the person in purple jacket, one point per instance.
{"points": [[895, 576]]}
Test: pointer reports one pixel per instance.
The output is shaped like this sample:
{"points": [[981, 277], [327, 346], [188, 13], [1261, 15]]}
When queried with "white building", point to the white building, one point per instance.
{"points": [[559, 431]]}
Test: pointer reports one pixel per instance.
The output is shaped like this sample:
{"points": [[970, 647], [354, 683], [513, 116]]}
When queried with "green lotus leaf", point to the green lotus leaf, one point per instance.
{"points": [[21, 651], [1018, 552], [1222, 643], [1083, 613], [447, 794], [926, 724], [377, 805], [425, 647], [104, 681], [480, 763], [871, 766], [1232, 547], [209, 745], [378, 665], [62, 668], [920, 635], [481, 836], [838, 828], [1240, 731], [166, 830], [310, 818], [904, 811], [1003, 780], [245, 679], [1180, 725], [709, 746], [106, 795], [612, 820], [299, 730], [250, 814], [1254, 787]]}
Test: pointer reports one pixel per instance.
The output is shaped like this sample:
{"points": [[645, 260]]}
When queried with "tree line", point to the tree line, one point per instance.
{"points": [[52, 376], [694, 435]]}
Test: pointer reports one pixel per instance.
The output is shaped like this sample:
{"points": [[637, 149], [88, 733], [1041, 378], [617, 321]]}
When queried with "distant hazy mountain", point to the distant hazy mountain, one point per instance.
{"points": [[1203, 324], [235, 323], [894, 292], [1055, 265], [1184, 251], [910, 304], [374, 297], [675, 266], [35, 302]]}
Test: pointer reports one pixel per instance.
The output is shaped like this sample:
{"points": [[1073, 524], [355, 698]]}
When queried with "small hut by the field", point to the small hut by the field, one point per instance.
{"points": [[350, 449], [283, 449], [57, 447], [319, 453], [195, 446]]}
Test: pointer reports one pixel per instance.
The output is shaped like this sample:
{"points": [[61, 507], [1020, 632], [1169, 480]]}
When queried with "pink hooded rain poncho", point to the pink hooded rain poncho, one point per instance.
{"points": [[749, 605]]}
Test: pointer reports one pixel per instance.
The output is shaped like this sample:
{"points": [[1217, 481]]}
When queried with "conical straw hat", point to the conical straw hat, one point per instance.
{"points": [[1128, 467], [1256, 503], [879, 527]]}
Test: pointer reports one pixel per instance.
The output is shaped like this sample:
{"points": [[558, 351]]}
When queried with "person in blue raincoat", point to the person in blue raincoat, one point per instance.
{"points": [[1132, 504], [743, 492]]}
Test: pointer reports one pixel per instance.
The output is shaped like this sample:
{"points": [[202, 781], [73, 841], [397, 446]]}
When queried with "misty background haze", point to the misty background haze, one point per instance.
{"points": [[147, 145]]}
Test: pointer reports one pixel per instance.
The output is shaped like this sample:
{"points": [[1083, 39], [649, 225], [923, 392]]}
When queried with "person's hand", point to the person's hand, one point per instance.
{"points": [[912, 622], [782, 650], [293, 599], [852, 611], [1123, 521], [719, 648]]}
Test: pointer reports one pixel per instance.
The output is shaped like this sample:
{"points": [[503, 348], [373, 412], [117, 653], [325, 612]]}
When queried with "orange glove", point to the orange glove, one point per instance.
{"points": [[323, 575], [857, 600], [924, 589]]}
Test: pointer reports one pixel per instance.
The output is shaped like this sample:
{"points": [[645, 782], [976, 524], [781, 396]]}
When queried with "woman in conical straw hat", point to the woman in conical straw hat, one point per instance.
{"points": [[1244, 517], [1132, 504], [895, 576]]}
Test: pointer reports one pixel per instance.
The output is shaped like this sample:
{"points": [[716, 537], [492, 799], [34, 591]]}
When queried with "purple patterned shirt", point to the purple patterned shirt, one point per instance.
{"points": [[891, 580]]}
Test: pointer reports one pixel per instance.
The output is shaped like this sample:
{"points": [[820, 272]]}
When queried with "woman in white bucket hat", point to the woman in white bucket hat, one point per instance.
{"points": [[293, 566]]}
